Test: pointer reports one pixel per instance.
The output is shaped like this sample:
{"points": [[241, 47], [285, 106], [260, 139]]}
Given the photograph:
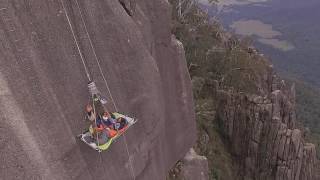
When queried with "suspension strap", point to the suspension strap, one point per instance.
{"points": [[76, 41], [107, 86]]}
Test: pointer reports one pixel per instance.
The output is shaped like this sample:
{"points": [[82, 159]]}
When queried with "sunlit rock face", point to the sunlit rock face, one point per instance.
{"points": [[43, 89]]}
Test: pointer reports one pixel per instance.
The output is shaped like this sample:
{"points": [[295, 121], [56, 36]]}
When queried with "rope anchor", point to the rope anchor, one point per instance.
{"points": [[93, 88], [95, 93]]}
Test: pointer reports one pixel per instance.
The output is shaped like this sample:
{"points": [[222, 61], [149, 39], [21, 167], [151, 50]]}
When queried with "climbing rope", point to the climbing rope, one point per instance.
{"points": [[84, 65], [107, 86], [95, 118], [76, 42], [96, 57]]}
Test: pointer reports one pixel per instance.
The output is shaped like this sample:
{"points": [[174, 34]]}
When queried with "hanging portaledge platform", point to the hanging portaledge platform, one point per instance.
{"points": [[88, 139]]}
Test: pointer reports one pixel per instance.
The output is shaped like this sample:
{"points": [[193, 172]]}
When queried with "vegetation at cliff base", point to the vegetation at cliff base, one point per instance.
{"points": [[214, 57], [308, 111], [217, 58]]}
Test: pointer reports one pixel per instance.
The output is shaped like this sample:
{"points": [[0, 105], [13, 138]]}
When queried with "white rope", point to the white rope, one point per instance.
{"points": [[96, 57], [130, 161], [85, 67], [106, 83], [95, 118], [75, 40]]}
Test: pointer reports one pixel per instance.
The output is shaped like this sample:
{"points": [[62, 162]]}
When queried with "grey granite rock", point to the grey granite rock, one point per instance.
{"points": [[194, 167], [43, 89], [263, 134]]}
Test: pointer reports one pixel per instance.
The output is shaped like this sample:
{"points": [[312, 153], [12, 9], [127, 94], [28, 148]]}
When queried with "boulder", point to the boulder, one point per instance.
{"points": [[194, 167]]}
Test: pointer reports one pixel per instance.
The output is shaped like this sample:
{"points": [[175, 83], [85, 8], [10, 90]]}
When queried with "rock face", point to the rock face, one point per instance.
{"points": [[43, 89], [194, 167], [263, 133]]}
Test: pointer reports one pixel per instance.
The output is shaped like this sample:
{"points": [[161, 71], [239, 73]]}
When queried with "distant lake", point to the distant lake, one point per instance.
{"points": [[287, 31]]}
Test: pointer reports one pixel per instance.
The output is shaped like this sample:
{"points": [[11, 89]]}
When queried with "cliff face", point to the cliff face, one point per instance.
{"points": [[263, 133], [43, 89]]}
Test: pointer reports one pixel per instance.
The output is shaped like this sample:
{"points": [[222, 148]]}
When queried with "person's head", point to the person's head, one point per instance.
{"points": [[106, 115], [88, 108], [119, 119]]}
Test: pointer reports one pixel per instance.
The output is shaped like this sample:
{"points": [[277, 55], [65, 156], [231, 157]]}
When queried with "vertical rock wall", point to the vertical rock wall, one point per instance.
{"points": [[43, 89], [263, 134]]}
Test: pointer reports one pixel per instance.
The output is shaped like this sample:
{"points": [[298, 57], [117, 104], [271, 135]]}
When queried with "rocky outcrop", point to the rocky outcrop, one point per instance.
{"points": [[263, 134], [43, 89], [129, 6], [194, 167]]}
